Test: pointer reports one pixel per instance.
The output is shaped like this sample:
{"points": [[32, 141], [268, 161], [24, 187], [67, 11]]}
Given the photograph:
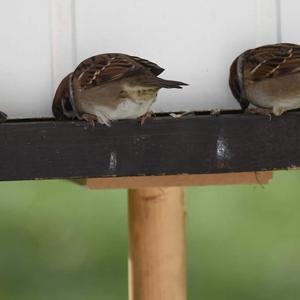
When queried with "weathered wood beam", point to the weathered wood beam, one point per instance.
{"points": [[195, 144]]}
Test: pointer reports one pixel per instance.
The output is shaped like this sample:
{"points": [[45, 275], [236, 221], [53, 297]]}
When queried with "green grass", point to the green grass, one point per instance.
{"points": [[61, 241], [244, 241]]}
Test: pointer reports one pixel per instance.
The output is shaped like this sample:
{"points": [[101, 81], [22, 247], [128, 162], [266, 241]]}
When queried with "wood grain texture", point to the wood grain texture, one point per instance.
{"points": [[157, 257], [197, 144], [179, 180]]}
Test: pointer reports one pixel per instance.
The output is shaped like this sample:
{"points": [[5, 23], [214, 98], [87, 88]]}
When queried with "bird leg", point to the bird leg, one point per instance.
{"points": [[90, 118], [260, 111], [147, 115]]}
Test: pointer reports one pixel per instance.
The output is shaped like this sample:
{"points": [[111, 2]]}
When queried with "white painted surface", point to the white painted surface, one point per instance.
{"points": [[268, 21], [25, 58], [63, 39], [195, 40], [290, 21]]}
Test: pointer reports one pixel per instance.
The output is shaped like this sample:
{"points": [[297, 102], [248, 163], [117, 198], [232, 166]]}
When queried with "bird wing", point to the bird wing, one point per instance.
{"points": [[153, 67], [271, 61], [105, 68]]}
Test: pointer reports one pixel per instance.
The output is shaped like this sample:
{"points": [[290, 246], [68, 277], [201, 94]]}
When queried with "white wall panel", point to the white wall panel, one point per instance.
{"points": [[268, 21], [62, 39], [290, 21], [25, 58], [195, 40]]}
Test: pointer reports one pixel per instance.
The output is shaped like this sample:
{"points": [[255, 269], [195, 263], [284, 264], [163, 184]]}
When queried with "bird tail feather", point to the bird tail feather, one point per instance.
{"points": [[162, 83]]}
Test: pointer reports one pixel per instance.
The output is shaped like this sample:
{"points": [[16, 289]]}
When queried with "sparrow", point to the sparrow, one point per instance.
{"points": [[109, 87], [268, 77], [3, 116]]}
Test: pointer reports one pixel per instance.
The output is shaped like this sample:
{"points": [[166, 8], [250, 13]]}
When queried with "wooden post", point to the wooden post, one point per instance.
{"points": [[157, 255]]}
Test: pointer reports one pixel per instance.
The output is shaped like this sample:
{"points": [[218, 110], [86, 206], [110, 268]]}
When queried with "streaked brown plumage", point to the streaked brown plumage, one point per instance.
{"points": [[268, 77], [63, 107], [110, 87], [3, 116]]}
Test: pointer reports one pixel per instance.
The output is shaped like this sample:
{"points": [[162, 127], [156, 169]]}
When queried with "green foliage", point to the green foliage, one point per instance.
{"points": [[61, 241], [244, 241]]}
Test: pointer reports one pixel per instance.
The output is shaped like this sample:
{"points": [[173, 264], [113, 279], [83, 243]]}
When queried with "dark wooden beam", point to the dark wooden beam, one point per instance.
{"points": [[195, 144]]}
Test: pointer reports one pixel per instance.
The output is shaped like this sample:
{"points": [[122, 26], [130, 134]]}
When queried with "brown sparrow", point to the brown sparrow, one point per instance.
{"points": [[110, 87], [3, 116], [268, 77]]}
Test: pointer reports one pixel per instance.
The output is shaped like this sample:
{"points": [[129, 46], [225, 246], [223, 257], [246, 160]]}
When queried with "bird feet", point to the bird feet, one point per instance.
{"points": [[148, 114], [90, 118], [260, 111]]}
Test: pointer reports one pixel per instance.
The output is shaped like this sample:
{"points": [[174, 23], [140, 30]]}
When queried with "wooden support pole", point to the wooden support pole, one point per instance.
{"points": [[157, 255]]}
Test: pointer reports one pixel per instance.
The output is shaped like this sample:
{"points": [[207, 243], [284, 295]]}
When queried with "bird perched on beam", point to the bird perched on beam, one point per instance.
{"points": [[110, 87], [268, 77], [3, 116]]}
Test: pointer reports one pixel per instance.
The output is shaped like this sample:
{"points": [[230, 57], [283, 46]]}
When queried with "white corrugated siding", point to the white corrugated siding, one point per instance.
{"points": [[195, 40]]}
